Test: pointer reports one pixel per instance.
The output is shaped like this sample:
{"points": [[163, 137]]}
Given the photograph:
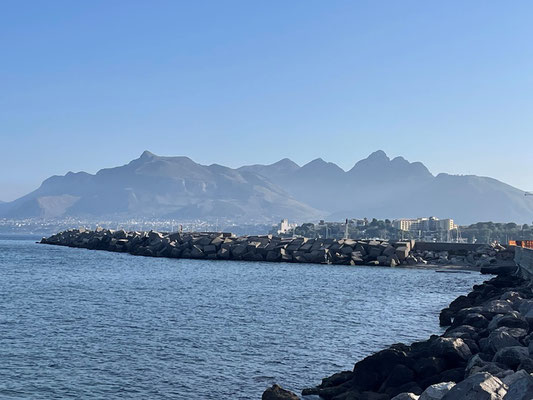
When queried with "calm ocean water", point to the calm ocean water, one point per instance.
{"points": [[95, 325]]}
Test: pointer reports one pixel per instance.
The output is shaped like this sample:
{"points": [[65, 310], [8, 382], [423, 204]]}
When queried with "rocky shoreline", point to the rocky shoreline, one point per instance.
{"points": [[225, 246], [485, 354]]}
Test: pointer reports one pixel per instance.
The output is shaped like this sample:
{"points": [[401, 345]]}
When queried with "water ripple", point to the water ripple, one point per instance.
{"points": [[91, 324]]}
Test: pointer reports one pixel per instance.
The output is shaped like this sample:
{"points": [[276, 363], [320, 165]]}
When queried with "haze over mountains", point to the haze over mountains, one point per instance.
{"points": [[177, 187]]}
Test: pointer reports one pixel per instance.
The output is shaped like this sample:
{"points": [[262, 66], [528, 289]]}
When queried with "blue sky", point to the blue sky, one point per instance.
{"points": [[86, 85]]}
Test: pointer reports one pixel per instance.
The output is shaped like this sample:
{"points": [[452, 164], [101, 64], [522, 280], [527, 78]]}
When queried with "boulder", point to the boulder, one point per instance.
{"points": [[202, 241], [153, 235], [526, 365], [499, 339], [217, 241], [336, 379], [402, 253], [445, 317], [520, 386], [462, 331], [238, 250], [452, 349], [360, 248], [436, 391], [525, 306], [371, 372], [346, 249], [175, 236], [517, 333], [510, 320], [488, 268], [406, 396], [392, 261], [223, 254], [514, 297], [429, 366], [120, 234], [498, 306], [210, 249], [526, 310], [196, 252], [273, 256], [480, 386], [357, 258], [375, 251], [411, 260], [399, 376], [175, 253], [389, 251], [410, 387], [276, 392], [383, 260], [511, 356], [475, 320]]}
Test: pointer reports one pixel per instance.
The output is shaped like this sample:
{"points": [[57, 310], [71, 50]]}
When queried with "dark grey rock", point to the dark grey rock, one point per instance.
{"points": [[511, 356], [480, 386], [276, 392], [520, 386]]}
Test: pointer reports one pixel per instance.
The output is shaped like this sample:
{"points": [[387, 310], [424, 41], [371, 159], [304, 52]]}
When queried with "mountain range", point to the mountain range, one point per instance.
{"points": [[152, 186]]}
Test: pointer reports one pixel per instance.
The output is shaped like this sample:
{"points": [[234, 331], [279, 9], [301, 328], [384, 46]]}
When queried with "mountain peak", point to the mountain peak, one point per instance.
{"points": [[317, 161], [286, 162], [147, 155], [378, 155]]}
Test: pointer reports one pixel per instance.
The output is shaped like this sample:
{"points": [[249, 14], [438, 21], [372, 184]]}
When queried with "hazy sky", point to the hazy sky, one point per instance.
{"points": [[86, 85]]}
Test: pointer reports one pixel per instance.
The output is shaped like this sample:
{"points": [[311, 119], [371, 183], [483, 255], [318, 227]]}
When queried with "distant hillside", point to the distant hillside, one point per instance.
{"points": [[383, 188], [177, 187], [166, 187]]}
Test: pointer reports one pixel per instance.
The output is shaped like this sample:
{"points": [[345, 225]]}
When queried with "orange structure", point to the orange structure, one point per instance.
{"points": [[521, 243]]}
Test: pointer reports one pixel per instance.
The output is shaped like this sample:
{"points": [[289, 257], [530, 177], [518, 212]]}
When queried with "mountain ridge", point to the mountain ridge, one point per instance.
{"points": [[177, 187]]}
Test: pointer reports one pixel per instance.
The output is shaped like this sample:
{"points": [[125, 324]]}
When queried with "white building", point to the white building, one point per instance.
{"points": [[431, 224], [284, 226]]}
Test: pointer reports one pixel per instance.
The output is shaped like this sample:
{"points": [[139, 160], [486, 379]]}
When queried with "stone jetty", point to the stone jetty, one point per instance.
{"points": [[225, 246], [486, 353]]}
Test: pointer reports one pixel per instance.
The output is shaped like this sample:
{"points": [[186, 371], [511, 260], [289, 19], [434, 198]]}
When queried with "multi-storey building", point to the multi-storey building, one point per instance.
{"points": [[431, 224]]}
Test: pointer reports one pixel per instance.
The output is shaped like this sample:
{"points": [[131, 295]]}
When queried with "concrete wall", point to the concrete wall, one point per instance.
{"points": [[524, 258], [452, 248]]}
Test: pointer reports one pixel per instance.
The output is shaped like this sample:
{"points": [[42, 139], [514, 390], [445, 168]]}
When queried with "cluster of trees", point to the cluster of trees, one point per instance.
{"points": [[482, 232], [486, 232]]}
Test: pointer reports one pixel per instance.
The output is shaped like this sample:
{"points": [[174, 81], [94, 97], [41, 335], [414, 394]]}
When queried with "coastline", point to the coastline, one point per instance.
{"points": [[225, 246], [486, 345], [485, 353]]}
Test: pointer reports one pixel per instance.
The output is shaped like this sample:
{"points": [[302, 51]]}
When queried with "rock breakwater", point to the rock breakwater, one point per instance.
{"points": [[486, 353], [224, 246]]}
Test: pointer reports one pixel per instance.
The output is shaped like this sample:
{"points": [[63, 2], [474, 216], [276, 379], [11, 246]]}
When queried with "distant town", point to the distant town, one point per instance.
{"points": [[429, 229]]}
